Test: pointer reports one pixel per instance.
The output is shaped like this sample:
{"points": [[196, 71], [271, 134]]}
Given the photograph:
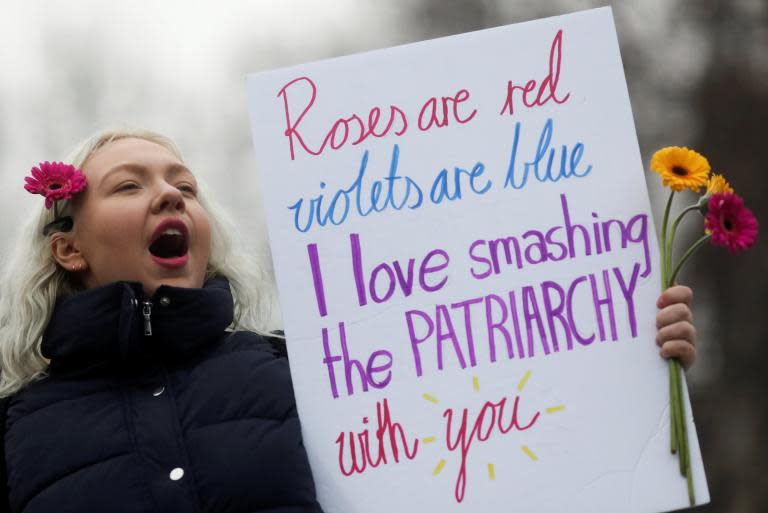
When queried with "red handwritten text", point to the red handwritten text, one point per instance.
{"points": [[547, 90], [389, 436], [489, 418], [300, 95], [353, 129], [435, 113]]}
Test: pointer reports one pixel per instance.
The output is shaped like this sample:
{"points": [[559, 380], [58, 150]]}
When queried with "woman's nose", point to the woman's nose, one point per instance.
{"points": [[169, 198]]}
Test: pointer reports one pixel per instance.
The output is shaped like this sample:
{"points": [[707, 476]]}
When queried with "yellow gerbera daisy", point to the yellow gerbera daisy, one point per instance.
{"points": [[680, 168], [718, 184]]}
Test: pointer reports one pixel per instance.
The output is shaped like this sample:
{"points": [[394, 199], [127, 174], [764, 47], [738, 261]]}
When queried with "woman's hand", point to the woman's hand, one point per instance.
{"points": [[676, 334]]}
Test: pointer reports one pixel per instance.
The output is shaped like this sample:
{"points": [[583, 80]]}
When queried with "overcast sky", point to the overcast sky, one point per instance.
{"points": [[177, 67]]}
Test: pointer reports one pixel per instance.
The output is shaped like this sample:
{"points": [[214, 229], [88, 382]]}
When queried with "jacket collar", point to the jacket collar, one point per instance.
{"points": [[108, 324]]}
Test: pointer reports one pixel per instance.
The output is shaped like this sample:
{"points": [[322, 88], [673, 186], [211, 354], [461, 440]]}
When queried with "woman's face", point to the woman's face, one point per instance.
{"points": [[139, 218]]}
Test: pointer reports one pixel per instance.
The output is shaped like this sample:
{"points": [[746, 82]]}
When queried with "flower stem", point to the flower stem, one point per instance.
{"points": [[689, 478], [685, 453], [688, 254], [672, 408], [678, 426], [680, 417], [673, 232], [663, 245]]}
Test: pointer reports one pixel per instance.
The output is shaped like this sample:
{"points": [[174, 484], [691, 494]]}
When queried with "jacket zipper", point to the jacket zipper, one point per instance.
{"points": [[147, 313]]}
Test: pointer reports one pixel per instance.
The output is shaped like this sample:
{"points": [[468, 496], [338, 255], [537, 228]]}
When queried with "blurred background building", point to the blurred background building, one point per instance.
{"points": [[697, 72]]}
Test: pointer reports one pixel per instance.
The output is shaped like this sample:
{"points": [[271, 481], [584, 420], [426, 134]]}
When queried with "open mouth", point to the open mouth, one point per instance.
{"points": [[170, 243]]}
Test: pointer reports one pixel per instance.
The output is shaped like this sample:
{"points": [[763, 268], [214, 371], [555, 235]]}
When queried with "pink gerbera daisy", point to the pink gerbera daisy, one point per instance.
{"points": [[731, 224], [55, 181]]}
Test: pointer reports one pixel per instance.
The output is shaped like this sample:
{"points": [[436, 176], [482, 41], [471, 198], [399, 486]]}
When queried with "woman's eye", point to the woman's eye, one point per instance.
{"points": [[185, 187], [126, 186]]}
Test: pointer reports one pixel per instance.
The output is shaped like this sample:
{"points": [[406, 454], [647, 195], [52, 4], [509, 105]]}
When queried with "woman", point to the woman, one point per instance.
{"points": [[136, 371], [133, 347]]}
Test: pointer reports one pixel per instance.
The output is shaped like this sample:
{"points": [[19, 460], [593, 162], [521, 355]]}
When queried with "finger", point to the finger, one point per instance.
{"points": [[681, 350], [682, 330], [673, 313], [675, 294]]}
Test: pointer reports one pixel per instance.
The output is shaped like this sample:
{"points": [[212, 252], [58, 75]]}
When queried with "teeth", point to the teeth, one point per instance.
{"points": [[172, 231]]}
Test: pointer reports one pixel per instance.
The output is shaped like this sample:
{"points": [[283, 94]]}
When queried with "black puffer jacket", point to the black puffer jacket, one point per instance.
{"points": [[188, 419]]}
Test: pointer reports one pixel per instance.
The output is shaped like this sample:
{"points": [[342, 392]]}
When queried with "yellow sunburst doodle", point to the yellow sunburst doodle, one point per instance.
{"points": [[439, 467], [681, 168], [523, 381], [430, 398], [718, 184], [491, 472], [476, 383], [428, 440], [529, 453], [553, 409]]}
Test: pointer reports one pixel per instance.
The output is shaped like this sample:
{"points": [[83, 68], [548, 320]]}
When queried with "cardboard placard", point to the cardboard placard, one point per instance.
{"points": [[467, 267]]}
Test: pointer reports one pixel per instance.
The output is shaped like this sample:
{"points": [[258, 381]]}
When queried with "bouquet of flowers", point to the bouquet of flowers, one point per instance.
{"points": [[727, 223]]}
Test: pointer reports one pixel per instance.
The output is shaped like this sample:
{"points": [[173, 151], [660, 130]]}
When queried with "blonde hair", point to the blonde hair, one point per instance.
{"points": [[31, 280]]}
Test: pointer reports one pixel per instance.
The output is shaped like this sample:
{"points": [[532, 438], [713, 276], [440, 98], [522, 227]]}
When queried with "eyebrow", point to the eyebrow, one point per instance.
{"points": [[172, 170]]}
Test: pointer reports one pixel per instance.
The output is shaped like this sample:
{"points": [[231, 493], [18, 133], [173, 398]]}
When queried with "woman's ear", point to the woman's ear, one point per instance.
{"points": [[66, 252]]}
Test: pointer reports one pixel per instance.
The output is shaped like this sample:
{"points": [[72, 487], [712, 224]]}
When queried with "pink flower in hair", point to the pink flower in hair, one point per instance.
{"points": [[731, 224], [55, 181]]}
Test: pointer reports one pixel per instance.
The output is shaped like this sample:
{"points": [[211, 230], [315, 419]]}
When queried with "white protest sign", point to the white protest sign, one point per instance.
{"points": [[466, 263]]}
